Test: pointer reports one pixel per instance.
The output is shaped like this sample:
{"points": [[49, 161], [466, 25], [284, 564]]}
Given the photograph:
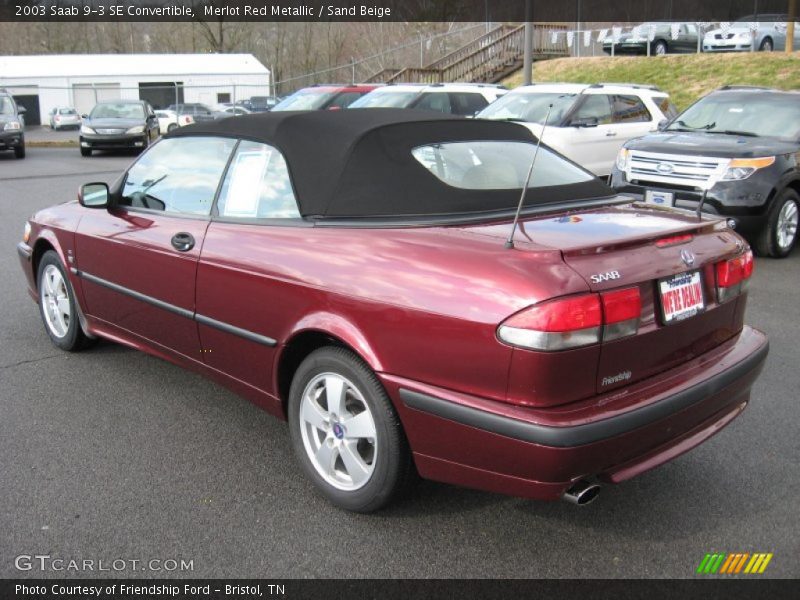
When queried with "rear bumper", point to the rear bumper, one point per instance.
{"points": [[540, 453]]}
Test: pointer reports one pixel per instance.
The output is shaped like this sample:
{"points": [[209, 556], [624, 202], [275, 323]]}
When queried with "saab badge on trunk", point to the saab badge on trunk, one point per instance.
{"points": [[688, 257]]}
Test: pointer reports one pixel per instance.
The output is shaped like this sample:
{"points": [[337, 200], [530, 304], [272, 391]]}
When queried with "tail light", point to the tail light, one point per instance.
{"points": [[574, 321], [733, 276]]}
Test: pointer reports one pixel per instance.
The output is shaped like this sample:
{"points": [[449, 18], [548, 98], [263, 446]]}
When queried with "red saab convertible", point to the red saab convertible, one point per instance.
{"points": [[349, 272]]}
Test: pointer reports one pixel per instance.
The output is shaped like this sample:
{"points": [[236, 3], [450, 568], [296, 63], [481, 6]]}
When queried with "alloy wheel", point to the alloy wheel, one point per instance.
{"points": [[338, 431], [55, 301], [786, 227]]}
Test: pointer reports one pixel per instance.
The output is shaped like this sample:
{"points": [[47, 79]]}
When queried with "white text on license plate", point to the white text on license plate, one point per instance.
{"points": [[681, 296]]}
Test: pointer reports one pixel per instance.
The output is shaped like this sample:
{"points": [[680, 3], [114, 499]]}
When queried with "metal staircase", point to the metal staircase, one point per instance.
{"points": [[487, 59]]}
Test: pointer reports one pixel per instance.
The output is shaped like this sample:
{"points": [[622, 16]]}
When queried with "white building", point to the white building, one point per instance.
{"points": [[42, 82]]}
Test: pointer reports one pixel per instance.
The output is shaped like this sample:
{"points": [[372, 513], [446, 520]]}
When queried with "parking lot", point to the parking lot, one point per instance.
{"points": [[111, 454]]}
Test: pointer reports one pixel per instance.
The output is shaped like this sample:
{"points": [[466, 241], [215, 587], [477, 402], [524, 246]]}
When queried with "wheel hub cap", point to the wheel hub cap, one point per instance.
{"points": [[787, 225], [55, 301]]}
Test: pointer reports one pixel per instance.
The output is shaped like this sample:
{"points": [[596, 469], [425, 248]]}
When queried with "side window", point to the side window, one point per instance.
{"points": [[345, 99], [596, 106], [668, 108], [178, 176], [437, 101], [465, 103], [630, 109], [257, 185], [691, 28]]}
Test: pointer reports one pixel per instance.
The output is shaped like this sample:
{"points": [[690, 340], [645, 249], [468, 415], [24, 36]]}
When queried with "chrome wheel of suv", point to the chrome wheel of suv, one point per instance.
{"points": [[786, 230], [779, 234]]}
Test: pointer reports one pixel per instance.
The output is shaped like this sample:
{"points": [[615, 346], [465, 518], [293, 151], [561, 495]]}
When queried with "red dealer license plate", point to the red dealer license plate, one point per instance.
{"points": [[681, 296]]}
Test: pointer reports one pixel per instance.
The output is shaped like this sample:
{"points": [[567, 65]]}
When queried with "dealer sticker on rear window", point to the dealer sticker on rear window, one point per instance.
{"points": [[681, 296]]}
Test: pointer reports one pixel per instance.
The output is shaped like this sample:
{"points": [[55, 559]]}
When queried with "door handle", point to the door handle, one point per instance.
{"points": [[611, 133], [183, 242]]}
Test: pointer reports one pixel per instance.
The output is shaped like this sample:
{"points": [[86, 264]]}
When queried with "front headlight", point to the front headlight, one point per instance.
{"points": [[26, 233], [12, 125], [85, 129], [137, 129], [622, 159], [742, 168], [743, 35]]}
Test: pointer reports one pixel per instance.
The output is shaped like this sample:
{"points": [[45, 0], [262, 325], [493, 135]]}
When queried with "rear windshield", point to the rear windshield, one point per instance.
{"points": [[530, 107], [118, 111], [490, 165], [397, 99], [68, 111], [305, 100]]}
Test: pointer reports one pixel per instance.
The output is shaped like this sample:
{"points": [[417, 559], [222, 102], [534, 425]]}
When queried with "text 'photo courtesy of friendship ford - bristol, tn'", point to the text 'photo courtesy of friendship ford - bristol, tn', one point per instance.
{"points": [[417, 294]]}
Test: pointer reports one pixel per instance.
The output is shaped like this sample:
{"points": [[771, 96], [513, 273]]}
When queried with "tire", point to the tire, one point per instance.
{"points": [[358, 471], [19, 151], [86, 151], [58, 306], [766, 45], [779, 234], [172, 127], [660, 48]]}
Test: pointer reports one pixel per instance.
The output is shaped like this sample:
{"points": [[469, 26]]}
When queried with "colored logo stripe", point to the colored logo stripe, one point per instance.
{"points": [[731, 564]]}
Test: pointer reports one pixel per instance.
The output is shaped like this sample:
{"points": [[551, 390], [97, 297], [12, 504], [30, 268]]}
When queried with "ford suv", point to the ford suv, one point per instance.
{"points": [[733, 153]]}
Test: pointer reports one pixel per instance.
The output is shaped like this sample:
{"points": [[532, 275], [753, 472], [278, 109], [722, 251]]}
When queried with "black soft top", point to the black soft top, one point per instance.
{"points": [[358, 162]]}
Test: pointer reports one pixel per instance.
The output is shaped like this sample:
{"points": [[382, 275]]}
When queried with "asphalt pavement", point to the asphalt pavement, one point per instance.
{"points": [[111, 454]]}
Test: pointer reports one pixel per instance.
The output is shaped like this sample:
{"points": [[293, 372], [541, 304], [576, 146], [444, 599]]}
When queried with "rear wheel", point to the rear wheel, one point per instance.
{"points": [[345, 432], [58, 306], [766, 45], [171, 127], [660, 48], [779, 235]]}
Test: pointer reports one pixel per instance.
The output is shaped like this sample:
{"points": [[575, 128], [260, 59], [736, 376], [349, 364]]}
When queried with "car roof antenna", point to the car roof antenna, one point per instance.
{"points": [[510, 241]]}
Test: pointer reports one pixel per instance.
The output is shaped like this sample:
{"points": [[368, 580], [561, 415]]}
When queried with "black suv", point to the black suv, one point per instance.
{"points": [[737, 151], [12, 125]]}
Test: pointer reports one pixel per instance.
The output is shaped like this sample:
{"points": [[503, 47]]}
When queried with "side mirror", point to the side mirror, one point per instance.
{"points": [[93, 195], [662, 124], [585, 122]]}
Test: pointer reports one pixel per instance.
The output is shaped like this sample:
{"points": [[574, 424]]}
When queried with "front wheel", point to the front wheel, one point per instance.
{"points": [[779, 234], [766, 45], [172, 127], [86, 151], [660, 48], [345, 432], [58, 306], [19, 151]]}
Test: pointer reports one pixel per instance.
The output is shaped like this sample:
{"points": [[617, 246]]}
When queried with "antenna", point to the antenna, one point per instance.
{"points": [[510, 241], [700, 204]]}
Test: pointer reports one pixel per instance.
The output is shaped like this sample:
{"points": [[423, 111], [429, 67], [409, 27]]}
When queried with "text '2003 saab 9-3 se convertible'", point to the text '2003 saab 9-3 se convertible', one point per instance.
{"points": [[358, 274]]}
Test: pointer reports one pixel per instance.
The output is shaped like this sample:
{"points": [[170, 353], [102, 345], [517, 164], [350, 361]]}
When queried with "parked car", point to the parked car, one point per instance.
{"points": [[198, 111], [169, 120], [451, 98], [12, 133], [231, 111], [587, 123], [119, 125], [261, 103], [324, 97], [770, 34], [662, 43], [64, 117], [740, 147], [402, 328]]}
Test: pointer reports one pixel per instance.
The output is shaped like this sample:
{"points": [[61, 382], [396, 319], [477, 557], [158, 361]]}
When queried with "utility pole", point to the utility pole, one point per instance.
{"points": [[527, 61], [790, 26]]}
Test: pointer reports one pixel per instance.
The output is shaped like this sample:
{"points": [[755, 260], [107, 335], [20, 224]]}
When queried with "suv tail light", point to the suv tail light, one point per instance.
{"points": [[574, 321], [733, 276]]}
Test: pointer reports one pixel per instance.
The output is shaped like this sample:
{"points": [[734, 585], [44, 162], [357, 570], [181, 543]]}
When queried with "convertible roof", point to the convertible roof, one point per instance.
{"points": [[358, 162]]}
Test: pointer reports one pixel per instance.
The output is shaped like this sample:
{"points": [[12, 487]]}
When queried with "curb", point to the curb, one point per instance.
{"points": [[43, 144]]}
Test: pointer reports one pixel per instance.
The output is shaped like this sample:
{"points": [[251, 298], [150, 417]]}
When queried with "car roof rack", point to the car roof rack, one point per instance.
{"points": [[745, 87], [636, 86]]}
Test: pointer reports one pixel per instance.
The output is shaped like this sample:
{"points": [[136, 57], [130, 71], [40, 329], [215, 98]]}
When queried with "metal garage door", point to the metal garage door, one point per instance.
{"points": [[86, 95]]}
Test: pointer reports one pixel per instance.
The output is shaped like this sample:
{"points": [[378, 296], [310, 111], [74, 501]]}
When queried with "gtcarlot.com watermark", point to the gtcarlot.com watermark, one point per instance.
{"points": [[48, 563]]}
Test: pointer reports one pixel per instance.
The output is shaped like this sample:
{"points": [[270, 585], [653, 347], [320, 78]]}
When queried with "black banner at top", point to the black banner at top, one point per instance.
{"points": [[390, 10]]}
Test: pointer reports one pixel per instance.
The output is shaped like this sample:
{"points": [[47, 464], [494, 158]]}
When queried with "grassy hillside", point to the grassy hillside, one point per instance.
{"points": [[686, 77]]}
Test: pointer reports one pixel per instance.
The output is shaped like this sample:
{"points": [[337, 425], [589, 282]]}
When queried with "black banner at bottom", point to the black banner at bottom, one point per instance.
{"points": [[368, 589]]}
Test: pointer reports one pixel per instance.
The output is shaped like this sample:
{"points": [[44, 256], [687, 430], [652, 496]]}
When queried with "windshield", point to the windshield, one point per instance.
{"points": [[6, 106], [396, 99], [118, 111], [530, 107], [313, 99], [490, 165], [68, 111], [762, 114]]}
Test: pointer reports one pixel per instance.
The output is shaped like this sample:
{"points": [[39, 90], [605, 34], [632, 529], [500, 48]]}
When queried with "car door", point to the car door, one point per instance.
{"points": [[592, 141], [631, 119], [687, 38], [152, 123], [137, 260], [245, 294]]}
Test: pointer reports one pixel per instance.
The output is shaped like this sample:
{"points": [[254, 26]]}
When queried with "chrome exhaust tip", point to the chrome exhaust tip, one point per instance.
{"points": [[582, 493]]}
